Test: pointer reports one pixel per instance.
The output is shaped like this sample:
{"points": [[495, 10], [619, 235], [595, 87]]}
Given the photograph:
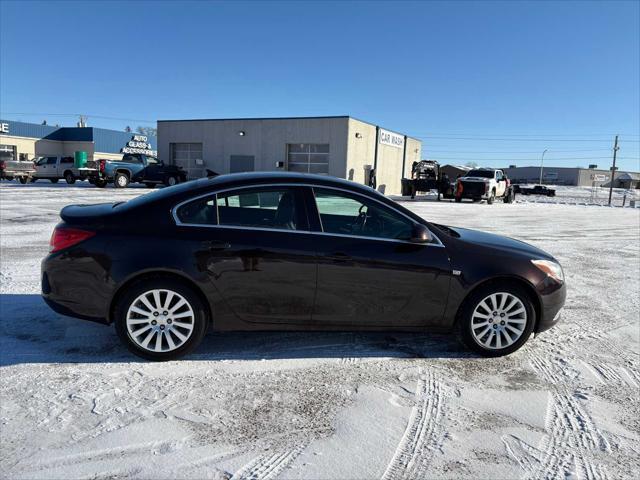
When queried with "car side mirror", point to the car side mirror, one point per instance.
{"points": [[420, 234]]}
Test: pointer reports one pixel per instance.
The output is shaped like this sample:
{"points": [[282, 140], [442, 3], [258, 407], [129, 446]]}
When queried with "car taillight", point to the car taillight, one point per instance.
{"points": [[459, 187], [2, 165], [486, 187], [101, 164], [63, 237]]}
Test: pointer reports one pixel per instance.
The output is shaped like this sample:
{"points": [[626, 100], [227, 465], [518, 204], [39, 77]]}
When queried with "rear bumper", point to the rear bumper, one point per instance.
{"points": [[73, 284]]}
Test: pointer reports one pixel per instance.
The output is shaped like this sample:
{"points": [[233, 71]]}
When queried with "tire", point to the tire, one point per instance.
{"points": [[33, 180], [23, 180], [54, 180], [517, 325], [491, 198], [192, 319], [100, 182], [458, 199], [69, 178], [170, 181], [121, 180], [150, 185]]}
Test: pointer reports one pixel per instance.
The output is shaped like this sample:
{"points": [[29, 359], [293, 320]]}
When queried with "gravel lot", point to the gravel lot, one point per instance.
{"points": [[75, 404]]}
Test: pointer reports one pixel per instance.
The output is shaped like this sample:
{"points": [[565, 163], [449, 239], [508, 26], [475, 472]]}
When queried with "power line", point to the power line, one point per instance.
{"points": [[463, 134], [519, 151], [103, 117], [521, 139]]}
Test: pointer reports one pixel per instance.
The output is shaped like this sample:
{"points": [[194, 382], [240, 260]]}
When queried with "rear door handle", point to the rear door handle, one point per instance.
{"points": [[339, 257], [215, 245]]}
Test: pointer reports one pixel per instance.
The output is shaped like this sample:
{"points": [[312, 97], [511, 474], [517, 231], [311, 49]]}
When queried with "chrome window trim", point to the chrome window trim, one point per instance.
{"points": [[281, 230]]}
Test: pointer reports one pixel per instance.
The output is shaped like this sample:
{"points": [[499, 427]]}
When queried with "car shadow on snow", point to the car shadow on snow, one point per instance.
{"points": [[30, 332]]}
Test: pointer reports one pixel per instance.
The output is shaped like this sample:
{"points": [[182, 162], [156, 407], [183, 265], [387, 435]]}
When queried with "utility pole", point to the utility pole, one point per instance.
{"points": [[541, 163], [613, 168]]}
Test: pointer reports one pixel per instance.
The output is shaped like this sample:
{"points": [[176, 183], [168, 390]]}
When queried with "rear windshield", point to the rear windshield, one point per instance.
{"points": [[480, 173], [163, 193]]}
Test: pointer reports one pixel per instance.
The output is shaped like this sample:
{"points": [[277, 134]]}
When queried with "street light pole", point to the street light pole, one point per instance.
{"points": [[541, 163]]}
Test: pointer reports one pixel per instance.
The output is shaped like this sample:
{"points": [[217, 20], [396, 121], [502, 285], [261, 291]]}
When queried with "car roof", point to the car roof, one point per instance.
{"points": [[232, 180]]}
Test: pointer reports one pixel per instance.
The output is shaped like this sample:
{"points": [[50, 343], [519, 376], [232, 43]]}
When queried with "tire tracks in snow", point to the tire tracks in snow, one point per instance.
{"points": [[268, 467], [424, 434], [572, 438]]}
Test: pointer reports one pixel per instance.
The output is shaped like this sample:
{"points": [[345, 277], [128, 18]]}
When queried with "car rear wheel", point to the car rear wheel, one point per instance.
{"points": [[121, 180], [160, 319], [23, 180], [170, 181], [497, 320], [53, 180], [69, 178], [100, 182], [492, 197]]}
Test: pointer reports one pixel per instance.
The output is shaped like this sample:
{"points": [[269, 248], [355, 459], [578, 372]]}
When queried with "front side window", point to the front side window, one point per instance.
{"points": [[199, 212], [259, 208], [348, 214], [308, 158]]}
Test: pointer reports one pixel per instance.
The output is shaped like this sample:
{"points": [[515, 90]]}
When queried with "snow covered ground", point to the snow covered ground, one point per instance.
{"points": [[75, 404]]}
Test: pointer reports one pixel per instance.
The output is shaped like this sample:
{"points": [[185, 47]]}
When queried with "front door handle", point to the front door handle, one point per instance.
{"points": [[216, 245], [339, 257]]}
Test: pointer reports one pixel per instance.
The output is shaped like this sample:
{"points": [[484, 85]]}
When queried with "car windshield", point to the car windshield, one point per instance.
{"points": [[480, 173]]}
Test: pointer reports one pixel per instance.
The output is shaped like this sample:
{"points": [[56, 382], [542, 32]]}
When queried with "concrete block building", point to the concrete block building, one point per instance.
{"points": [[340, 146]]}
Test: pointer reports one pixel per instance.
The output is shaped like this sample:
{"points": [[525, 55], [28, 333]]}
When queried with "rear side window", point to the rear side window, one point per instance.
{"points": [[269, 207], [199, 212], [66, 160], [52, 160]]}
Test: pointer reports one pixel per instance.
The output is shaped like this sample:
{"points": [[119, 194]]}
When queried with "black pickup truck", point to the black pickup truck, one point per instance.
{"points": [[136, 168]]}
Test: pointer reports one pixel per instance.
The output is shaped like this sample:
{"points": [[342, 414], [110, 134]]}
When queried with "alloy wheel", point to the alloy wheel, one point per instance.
{"points": [[498, 321], [160, 320]]}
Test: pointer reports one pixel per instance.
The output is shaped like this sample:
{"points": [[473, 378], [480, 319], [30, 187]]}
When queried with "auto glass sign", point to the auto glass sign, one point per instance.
{"points": [[139, 144], [389, 138]]}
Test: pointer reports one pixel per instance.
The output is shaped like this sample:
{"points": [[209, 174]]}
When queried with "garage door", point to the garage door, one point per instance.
{"points": [[189, 157]]}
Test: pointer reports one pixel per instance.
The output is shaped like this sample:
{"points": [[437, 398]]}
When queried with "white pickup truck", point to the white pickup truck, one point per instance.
{"points": [[53, 168], [484, 184]]}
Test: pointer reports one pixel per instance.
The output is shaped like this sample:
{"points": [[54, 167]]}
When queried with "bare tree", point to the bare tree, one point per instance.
{"points": [[149, 131]]}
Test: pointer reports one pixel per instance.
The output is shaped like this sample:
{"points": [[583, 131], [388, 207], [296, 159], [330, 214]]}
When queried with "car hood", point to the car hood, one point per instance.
{"points": [[499, 242]]}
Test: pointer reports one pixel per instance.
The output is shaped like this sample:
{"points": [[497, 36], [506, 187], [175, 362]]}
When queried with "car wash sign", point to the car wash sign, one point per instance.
{"points": [[139, 144], [385, 137]]}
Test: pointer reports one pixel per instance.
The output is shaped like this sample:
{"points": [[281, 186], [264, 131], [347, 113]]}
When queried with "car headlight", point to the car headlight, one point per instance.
{"points": [[552, 269]]}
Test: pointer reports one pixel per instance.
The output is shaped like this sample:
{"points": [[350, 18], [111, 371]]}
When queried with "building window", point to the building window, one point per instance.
{"points": [[8, 153], [189, 157], [308, 158]]}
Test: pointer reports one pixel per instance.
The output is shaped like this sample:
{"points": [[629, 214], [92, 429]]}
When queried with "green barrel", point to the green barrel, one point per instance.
{"points": [[80, 159]]}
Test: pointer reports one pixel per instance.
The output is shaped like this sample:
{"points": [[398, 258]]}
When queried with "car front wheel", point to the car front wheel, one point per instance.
{"points": [[497, 320], [160, 319]]}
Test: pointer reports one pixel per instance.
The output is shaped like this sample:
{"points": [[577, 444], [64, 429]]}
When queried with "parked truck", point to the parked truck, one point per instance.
{"points": [[134, 168], [484, 184], [21, 170], [54, 168]]}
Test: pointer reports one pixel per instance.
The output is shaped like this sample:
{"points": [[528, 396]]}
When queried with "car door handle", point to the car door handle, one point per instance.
{"points": [[215, 245], [339, 257]]}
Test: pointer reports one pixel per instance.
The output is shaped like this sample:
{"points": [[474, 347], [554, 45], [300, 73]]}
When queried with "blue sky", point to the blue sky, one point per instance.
{"points": [[491, 82]]}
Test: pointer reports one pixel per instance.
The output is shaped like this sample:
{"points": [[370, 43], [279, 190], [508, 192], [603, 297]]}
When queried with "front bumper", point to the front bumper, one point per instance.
{"points": [[552, 299]]}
